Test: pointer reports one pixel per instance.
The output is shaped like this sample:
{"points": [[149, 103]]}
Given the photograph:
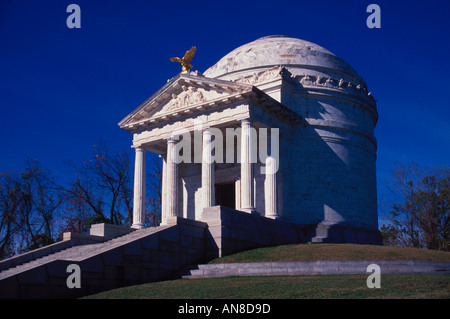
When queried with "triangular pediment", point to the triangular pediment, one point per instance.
{"points": [[184, 94]]}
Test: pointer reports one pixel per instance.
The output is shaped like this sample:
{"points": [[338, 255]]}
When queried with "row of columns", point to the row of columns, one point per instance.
{"points": [[170, 178]]}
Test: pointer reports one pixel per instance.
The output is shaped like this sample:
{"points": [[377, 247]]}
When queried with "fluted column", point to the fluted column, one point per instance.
{"points": [[208, 197], [172, 179], [164, 190], [270, 188], [247, 160], [139, 189]]}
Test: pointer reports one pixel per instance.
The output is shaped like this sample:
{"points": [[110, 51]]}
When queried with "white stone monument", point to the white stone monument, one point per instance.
{"points": [[315, 165]]}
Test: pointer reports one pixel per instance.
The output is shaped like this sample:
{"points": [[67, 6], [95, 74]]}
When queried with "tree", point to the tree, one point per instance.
{"points": [[40, 189], [29, 202], [420, 214], [433, 215], [100, 190], [40, 200], [10, 194]]}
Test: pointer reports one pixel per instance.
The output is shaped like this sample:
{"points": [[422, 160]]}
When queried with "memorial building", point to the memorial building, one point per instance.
{"points": [[279, 127]]}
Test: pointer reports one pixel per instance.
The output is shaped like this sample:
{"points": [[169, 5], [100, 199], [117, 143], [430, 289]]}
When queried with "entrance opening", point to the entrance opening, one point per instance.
{"points": [[226, 195]]}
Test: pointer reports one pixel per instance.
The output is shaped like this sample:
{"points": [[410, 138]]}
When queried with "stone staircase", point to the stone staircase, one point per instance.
{"points": [[325, 267], [139, 256], [325, 233], [78, 253]]}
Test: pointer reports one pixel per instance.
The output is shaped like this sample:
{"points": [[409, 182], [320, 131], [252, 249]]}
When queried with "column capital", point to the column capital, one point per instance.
{"points": [[247, 121], [139, 148], [170, 139], [207, 130]]}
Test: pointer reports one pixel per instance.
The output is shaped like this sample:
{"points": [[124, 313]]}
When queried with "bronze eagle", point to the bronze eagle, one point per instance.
{"points": [[186, 66]]}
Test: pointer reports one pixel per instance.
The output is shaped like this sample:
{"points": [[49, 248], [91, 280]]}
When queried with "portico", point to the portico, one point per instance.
{"points": [[207, 142], [175, 189]]}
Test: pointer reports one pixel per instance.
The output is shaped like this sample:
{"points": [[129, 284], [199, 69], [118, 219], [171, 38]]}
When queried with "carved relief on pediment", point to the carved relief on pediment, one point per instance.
{"points": [[189, 95]]}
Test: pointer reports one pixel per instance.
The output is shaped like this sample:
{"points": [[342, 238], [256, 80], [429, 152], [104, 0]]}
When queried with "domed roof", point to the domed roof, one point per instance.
{"points": [[280, 50]]}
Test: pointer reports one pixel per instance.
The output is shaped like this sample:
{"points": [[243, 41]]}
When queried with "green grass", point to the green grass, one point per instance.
{"points": [[288, 287], [293, 287], [305, 252]]}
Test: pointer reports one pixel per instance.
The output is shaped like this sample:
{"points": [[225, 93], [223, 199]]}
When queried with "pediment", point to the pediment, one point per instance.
{"points": [[184, 94]]}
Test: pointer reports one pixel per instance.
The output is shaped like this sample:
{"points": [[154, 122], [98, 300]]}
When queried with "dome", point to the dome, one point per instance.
{"points": [[295, 54]]}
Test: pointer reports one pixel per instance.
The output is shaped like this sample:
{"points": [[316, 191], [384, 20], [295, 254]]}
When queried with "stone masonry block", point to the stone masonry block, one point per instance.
{"points": [[113, 257], [58, 268], [92, 264], [170, 234], [192, 231], [133, 248], [9, 288], [33, 276], [150, 242], [169, 246]]}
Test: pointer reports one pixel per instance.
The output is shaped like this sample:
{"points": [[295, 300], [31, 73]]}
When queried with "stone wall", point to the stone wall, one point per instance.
{"points": [[143, 256], [231, 231]]}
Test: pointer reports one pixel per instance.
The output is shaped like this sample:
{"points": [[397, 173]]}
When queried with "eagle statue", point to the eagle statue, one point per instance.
{"points": [[186, 66]]}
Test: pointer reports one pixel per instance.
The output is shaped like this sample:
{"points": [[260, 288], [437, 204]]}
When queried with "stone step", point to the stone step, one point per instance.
{"points": [[313, 268], [318, 240]]}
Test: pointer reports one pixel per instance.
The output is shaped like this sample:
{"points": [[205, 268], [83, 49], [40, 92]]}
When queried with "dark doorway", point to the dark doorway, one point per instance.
{"points": [[226, 195]]}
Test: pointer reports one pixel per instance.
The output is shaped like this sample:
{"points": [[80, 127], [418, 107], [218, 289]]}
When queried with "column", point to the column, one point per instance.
{"points": [[270, 188], [208, 197], [164, 190], [171, 188], [247, 160], [139, 189]]}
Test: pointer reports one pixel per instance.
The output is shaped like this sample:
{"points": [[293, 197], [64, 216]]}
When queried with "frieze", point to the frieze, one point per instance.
{"points": [[304, 80], [340, 84]]}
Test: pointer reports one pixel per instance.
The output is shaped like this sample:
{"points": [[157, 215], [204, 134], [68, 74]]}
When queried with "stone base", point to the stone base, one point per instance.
{"points": [[154, 254], [109, 231], [231, 231], [346, 234]]}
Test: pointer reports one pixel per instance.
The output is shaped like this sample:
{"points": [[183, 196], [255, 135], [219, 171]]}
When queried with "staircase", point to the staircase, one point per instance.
{"points": [[144, 255], [78, 253], [321, 235], [324, 267]]}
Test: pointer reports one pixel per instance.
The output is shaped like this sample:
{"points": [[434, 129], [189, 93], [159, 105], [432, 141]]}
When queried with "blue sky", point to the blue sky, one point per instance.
{"points": [[61, 89]]}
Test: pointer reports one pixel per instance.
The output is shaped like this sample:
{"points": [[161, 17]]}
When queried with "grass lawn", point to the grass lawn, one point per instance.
{"points": [[288, 287], [294, 287]]}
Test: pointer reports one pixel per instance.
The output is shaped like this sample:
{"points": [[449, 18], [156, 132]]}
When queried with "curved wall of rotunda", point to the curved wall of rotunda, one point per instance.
{"points": [[328, 162]]}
